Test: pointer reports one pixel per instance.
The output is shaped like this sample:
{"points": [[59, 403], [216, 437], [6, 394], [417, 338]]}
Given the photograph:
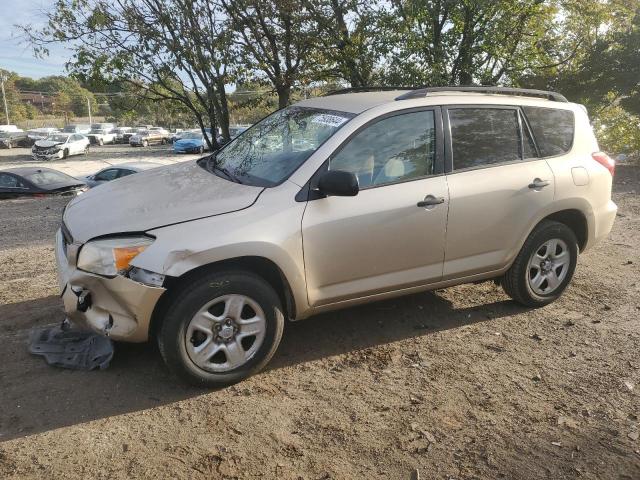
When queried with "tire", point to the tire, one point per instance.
{"points": [[540, 280], [86, 150], [65, 153], [213, 292], [201, 150], [9, 145], [100, 142], [163, 141], [145, 144]]}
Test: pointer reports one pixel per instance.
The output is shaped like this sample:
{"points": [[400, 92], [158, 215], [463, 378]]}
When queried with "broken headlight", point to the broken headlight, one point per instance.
{"points": [[111, 256]]}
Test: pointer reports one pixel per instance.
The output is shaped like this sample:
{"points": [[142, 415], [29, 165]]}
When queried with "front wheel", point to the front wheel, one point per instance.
{"points": [[65, 153], [145, 144], [544, 267], [221, 328]]}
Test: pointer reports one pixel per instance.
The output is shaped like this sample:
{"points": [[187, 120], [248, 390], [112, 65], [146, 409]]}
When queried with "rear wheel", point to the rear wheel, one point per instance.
{"points": [[544, 267], [221, 328]]}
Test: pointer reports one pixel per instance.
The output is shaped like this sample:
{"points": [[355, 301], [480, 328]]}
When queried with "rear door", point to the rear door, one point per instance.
{"points": [[382, 239], [497, 187]]}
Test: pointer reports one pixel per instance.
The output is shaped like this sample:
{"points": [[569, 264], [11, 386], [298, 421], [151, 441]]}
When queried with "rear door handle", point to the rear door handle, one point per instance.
{"points": [[430, 201], [537, 183]]}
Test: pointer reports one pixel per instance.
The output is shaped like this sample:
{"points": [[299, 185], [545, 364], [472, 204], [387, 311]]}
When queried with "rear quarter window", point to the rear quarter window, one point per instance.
{"points": [[552, 128]]}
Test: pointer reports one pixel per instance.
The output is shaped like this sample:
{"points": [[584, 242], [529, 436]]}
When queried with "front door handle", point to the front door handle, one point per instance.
{"points": [[430, 201], [537, 183]]}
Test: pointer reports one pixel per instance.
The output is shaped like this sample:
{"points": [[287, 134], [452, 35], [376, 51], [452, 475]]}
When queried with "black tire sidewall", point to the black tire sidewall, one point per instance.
{"points": [[186, 303], [547, 232]]}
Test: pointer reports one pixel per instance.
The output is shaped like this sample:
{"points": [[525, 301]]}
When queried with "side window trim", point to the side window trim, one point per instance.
{"points": [[449, 142], [524, 124]]}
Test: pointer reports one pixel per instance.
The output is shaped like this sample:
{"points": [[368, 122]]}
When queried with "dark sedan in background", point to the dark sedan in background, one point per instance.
{"points": [[114, 172], [37, 181], [14, 139]]}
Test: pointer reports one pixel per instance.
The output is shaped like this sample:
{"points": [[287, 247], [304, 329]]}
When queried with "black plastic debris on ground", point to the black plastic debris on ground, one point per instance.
{"points": [[69, 347]]}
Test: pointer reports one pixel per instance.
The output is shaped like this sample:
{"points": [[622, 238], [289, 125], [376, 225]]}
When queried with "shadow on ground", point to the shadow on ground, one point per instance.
{"points": [[36, 397]]}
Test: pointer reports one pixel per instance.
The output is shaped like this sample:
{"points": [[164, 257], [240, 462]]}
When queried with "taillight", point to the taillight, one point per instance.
{"points": [[605, 160]]}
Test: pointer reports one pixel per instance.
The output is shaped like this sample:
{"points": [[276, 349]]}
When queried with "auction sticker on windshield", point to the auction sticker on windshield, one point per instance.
{"points": [[330, 120]]}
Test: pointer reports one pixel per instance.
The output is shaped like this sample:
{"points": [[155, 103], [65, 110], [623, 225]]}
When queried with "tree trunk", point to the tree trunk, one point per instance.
{"points": [[284, 95]]}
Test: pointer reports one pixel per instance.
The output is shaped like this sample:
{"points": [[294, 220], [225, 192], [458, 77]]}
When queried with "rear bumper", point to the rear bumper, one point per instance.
{"points": [[116, 307], [602, 224]]}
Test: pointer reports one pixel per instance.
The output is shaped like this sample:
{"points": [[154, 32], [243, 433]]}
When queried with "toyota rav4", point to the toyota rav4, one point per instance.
{"points": [[332, 202]]}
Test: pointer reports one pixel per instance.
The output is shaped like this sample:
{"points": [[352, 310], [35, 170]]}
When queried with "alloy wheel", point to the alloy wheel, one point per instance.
{"points": [[225, 333], [548, 266]]}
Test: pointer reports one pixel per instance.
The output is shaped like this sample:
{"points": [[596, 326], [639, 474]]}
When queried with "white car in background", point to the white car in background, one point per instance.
{"points": [[60, 145], [102, 133]]}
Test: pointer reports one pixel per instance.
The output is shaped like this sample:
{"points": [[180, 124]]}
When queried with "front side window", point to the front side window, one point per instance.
{"points": [[271, 150], [553, 129], [394, 149], [484, 136]]}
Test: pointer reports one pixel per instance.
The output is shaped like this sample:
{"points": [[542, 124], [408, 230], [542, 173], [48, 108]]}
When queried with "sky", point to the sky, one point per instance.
{"points": [[15, 54]]}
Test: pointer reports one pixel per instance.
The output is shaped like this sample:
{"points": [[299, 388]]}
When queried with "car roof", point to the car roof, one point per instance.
{"points": [[362, 101], [352, 102], [29, 170]]}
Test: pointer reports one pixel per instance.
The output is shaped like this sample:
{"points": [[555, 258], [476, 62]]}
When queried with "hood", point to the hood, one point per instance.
{"points": [[47, 143], [155, 198]]}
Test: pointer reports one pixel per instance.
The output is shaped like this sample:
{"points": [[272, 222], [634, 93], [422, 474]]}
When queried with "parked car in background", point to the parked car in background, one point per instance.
{"points": [[191, 142], [396, 192], [161, 131], [37, 181], [147, 137], [235, 130], [14, 138], [118, 171], [36, 134], [144, 127], [126, 136], [101, 133], [82, 128], [120, 133], [176, 134], [60, 145]]}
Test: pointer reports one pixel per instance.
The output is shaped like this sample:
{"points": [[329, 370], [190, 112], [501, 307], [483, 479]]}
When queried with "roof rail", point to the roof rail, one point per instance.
{"points": [[342, 91], [525, 92]]}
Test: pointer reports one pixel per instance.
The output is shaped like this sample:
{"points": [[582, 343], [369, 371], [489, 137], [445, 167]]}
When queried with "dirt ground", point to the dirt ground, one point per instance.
{"points": [[455, 384]]}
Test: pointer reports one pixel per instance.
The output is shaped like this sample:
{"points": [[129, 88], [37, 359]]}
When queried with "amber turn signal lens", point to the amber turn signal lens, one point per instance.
{"points": [[124, 255]]}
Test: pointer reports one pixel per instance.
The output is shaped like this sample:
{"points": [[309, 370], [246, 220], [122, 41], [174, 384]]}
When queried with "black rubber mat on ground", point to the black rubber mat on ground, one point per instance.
{"points": [[69, 347]]}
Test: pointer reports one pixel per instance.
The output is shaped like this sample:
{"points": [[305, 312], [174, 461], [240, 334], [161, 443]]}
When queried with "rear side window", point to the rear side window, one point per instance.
{"points": [[483, 136], [552, 128]]}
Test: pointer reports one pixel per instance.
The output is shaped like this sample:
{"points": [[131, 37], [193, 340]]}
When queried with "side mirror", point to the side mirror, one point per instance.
{"points": [[338, 183]]}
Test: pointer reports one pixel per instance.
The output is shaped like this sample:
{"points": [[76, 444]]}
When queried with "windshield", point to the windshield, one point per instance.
{"points": [[271, 150], [43, 178], [70, 129], [58, 138]]}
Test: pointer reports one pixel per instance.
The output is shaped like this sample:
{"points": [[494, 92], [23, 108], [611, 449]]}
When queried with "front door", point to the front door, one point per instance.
{"points": [[497, 186], [387, 237]]}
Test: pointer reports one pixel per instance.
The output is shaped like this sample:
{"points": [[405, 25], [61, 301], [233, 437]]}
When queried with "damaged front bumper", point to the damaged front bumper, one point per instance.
{"points": [[117, 307]]}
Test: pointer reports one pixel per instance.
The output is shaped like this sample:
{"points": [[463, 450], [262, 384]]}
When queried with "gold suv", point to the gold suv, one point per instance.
{"points": [[332, 202]]}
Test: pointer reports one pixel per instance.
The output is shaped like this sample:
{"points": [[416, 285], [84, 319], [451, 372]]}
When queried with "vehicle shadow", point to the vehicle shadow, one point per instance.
{"points": [[36, 397]]}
